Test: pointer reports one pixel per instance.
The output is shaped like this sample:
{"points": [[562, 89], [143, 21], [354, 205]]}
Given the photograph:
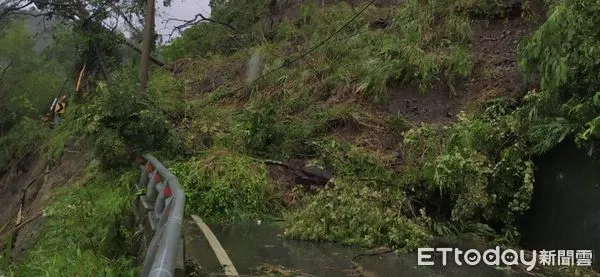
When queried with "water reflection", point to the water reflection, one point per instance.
{"points": [[250, 245]]}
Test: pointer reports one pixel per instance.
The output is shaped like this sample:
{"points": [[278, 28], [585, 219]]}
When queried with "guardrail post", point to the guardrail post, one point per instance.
{"points": [[164, 215], [144, 177], [151, 189], [159, 206]]}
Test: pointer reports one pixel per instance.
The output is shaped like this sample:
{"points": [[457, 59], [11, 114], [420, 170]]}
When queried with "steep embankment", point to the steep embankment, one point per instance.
{"points": [[284, 102], [26, 187], [63, 215]]}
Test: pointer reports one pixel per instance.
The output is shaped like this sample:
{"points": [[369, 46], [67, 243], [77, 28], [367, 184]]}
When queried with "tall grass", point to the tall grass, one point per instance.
{"points": [[225, 186]]}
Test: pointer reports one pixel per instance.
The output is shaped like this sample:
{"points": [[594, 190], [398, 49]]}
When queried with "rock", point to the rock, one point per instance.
{"points": [[399, 156], [94, 162], [312, 176]]}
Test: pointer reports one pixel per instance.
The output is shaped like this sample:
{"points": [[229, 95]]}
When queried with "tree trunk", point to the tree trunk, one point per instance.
{"points": [[146, 45]]}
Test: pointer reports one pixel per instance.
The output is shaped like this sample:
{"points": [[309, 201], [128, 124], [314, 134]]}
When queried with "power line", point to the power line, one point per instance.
{"points": [[309, 50]]}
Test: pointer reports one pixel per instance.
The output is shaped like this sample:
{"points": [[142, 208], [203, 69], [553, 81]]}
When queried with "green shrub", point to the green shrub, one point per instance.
{"points": [[225, 186], [263, 133], [120, 113], [353, 162], [30, 78], [410, 47], [481, 165], [22, 138], [213, 38], [358, 214], [563, 53], [111, 150], [365, 204]]}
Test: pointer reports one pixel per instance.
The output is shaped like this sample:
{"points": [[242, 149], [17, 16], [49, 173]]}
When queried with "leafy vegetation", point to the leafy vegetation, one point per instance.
{"points": [[83, 234], [21, 96], [480, 168], [564, 53], [413, 47], [359, 214], [225, 186], [395, 183]]}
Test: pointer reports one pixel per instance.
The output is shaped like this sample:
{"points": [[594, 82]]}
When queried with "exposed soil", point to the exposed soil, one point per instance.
{"points": [[212, 77], [284, 175], [494, 74], [437, 105], [495, 67], [17, 187], [27, 192], [284, 179]]}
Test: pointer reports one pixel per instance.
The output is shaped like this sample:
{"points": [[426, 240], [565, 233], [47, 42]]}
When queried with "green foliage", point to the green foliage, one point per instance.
{"points": [[366, 206], [260, 129], [564, 53], [464, 177], [481, 165], [225, 186], [433, 40], [419, 42], [411, 48], [64, 44], [214, 38], [55, 141], [82, 235], [355, 213], [28, 79], [565, 49], [7, 256], [353, 162], [203, 40], [238, 12], [483, 8], [263, 134], [110, 149], [36, 137], [205, 127], [120, 120], [22, 138]]}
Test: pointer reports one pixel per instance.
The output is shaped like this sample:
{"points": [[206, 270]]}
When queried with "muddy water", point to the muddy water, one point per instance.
{"points": [[251, 245], [565, 212]]}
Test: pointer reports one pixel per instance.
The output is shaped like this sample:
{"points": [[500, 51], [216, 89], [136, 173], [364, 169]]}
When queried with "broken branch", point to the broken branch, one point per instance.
{"points": [[197, 19]]}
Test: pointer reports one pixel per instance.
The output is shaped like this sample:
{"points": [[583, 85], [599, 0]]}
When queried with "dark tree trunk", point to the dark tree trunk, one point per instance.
{"points": [[147, 46]]}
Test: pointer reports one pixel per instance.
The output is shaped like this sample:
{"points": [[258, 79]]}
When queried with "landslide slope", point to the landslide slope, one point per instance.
{"points": [[280, 97]]}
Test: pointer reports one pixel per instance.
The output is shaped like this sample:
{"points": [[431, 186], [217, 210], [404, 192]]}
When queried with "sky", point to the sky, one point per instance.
{"points": [[180, 9]]}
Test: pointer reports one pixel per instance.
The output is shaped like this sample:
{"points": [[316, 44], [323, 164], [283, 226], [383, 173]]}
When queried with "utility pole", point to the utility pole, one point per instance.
{"points": [[147, 45]]}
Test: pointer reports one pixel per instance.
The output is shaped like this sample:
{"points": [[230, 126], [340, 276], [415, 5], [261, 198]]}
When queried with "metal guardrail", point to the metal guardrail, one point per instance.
{"points": [[165, 201]]}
